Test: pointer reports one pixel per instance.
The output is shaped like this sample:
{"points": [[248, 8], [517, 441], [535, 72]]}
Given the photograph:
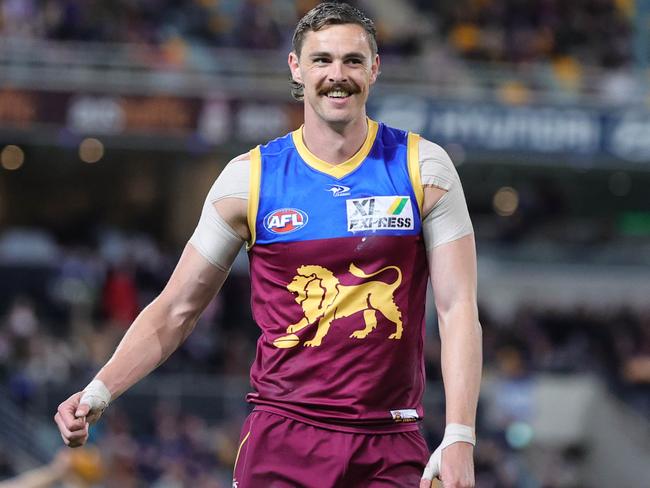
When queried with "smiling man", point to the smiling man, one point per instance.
{"points": [[345, 220]]}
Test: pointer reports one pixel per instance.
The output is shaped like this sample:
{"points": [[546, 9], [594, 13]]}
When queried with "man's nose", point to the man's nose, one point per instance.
{"points": [[337, 72]]}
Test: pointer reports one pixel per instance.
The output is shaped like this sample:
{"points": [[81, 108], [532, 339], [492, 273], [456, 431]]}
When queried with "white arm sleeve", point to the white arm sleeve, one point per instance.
{"points": [[213, 238], [448, 220]]}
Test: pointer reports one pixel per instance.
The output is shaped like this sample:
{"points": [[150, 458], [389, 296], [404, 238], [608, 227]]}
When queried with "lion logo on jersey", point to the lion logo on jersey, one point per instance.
{"points": [[323, 300]]}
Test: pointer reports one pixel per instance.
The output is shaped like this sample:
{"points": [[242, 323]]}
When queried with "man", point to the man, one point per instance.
{"points": [[342, 219]]}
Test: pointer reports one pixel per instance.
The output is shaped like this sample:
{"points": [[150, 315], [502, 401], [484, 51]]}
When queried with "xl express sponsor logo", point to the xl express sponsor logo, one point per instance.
{"points": [[380, 213], [285, 220]]}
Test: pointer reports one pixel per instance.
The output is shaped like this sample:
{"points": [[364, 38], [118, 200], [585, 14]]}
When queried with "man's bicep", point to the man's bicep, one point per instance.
{"points": [[452, 267], [194, 282]]}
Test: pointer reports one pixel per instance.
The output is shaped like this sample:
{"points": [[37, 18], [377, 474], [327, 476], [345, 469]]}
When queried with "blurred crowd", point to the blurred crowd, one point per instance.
{"points": [[261, 24], [64, 310], [594, 32], [563, 49]]}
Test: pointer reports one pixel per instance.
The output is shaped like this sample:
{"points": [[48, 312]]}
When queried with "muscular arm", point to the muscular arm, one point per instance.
{"points": [[157, 332], [167, 321], [452, 267], [200, 273], [453, 275], [451, 253]]}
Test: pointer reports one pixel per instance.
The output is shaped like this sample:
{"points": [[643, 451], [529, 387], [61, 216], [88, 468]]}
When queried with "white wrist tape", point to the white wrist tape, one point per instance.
{"points": [[96, 396], [453, 433]]}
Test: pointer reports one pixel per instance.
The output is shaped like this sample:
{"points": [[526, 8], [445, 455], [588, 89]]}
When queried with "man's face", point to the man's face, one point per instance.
{"points": [[336, 67]]}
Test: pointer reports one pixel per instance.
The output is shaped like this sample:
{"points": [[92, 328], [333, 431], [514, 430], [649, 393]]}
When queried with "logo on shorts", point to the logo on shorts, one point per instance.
{"points": [[285, 220], [405, 415], [339, 190], [380, 213]]}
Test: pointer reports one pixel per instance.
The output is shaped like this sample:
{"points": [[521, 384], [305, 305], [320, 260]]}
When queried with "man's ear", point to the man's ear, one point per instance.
{"points": [[374, 69], [294, 66]]}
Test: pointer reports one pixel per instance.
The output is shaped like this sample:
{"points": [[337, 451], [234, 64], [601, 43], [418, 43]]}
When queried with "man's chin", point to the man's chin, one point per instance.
{"points": [[340, 116]]}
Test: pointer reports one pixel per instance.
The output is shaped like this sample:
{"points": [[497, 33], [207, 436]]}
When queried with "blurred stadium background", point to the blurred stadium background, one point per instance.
{"points": [[116, 116]]}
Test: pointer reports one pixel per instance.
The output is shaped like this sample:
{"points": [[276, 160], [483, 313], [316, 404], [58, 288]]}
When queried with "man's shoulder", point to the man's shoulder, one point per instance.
{"points": [[389, 133], [278, 144], [274, 145]]}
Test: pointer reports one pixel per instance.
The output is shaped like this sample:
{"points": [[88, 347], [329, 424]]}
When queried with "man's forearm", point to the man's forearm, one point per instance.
{"points": [[154, 335], [164, 324], [461, 361]]}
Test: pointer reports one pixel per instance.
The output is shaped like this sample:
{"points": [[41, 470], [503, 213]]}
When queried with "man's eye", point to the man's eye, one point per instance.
{"points": [[320, 60]]}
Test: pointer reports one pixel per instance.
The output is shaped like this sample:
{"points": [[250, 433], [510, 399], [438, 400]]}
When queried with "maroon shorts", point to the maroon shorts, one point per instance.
{"points": [[278, 452]]}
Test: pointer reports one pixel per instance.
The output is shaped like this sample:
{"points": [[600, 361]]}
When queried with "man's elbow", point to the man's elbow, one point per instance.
{"points": [[176, 317], [460, 315]]}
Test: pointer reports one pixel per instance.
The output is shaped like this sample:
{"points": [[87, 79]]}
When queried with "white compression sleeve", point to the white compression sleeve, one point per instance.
{"points": [[449, 219], [233, 180], [213, 238]]}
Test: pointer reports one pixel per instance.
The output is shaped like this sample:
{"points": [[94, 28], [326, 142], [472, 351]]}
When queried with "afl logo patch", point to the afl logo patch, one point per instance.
{"points": [[285, 220]]}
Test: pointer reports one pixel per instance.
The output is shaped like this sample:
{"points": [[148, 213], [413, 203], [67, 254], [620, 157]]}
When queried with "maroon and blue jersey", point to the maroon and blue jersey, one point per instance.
{"points": [[338, 277]]}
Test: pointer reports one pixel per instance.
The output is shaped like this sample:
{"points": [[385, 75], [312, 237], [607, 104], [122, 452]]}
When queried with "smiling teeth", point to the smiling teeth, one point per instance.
{"points": [[338, 94]]}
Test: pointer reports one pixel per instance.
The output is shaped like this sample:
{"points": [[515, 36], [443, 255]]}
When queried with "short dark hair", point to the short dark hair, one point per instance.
{"points": [[324, 14]]}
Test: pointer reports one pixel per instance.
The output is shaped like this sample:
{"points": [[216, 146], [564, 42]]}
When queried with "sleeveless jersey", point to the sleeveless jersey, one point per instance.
{"points": [[338, 283]]}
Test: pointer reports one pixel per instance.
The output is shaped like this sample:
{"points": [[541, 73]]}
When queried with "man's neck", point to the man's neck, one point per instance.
{"points": [[334, 144]]}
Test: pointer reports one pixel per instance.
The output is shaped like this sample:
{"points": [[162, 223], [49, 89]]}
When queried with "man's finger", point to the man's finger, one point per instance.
{"points": [[66, 419], [435, 483], [68, 407], [79, 428], [80, 439], [82, 410], [433, 466], [74, 442], [65, 432], [65, 441]]}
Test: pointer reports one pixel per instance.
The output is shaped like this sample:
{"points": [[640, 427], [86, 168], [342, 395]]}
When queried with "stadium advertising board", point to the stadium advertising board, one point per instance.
{"points": [[622, 134], [577, 131]]}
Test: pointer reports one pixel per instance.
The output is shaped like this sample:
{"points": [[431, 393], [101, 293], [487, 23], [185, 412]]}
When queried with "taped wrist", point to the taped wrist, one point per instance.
{"points": [[458, 433], [96, 396]]}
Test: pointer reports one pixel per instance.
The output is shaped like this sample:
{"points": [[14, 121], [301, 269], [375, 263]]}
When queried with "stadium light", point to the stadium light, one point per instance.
{"points": [[12, 157], [505, 201], [91, 150]]}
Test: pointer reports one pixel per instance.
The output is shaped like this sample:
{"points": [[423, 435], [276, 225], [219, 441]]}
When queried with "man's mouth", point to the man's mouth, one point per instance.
{"points": [[338, 93]]}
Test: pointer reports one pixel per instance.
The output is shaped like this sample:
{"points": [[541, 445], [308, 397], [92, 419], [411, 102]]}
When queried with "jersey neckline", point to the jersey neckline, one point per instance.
{"points": [[336, 170]]}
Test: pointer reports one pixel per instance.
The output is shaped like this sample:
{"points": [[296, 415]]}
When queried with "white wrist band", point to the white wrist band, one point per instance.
{"points": [[96, 395], [458, 433], [453, 433]]}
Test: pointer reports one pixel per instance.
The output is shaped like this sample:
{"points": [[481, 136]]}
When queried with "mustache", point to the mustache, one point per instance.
{"points": [[348, 87]]}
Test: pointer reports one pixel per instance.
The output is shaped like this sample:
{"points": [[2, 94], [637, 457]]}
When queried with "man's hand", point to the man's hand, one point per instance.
{"points": [[457, 470], [71, 419], [457, 467], [79, 411]]}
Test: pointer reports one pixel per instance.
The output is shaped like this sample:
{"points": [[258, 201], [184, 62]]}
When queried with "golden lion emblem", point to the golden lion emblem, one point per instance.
{"points": [[323, 300]]}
